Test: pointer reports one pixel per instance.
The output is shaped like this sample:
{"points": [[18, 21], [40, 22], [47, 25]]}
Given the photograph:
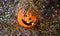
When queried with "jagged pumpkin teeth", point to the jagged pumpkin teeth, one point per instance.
{"points": [[32, 23], [28, 22], [27, 18]]}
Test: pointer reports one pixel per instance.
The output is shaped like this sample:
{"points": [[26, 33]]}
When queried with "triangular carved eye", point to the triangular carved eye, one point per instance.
{"points": [[29, 18]]}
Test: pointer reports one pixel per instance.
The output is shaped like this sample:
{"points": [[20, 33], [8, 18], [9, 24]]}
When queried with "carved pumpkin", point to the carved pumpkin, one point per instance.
{"points": [[27, 18]]}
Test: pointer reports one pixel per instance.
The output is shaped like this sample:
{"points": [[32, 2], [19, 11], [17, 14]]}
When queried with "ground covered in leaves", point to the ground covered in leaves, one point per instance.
{"points": [[49, 18]]}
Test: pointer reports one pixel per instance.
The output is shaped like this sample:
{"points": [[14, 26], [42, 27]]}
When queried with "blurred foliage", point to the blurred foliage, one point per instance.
{"points": [[49, 17]]}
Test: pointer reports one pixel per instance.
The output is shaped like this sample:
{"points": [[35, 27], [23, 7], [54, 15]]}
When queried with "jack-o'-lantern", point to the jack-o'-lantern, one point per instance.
{"points": [[27, 18]]}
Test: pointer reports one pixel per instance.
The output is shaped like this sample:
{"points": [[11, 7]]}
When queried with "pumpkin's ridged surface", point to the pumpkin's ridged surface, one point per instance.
{"points": [[25, 17]]}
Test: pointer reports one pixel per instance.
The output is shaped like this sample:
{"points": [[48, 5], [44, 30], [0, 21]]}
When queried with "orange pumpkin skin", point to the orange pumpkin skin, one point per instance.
{"points": [[27, 17]]}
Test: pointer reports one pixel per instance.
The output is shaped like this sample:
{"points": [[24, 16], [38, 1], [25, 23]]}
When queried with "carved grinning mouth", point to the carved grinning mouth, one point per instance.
{"points": [[27, 23]]}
